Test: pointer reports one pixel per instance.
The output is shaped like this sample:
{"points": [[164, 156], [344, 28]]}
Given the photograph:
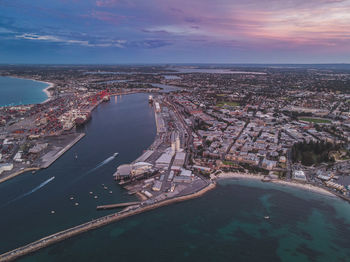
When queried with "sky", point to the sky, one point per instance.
{"points": [[174, 31]]}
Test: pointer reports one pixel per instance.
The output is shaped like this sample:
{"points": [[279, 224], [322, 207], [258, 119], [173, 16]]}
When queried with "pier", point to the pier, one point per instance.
{"points": [[62, 235], [104, 207], [49, 161]]}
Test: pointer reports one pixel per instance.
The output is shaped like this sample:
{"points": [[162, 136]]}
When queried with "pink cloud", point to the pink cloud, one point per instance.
{"points": [[292, 24]]}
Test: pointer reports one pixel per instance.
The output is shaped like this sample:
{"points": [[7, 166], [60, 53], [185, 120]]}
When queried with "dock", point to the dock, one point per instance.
{"points": [[48, 160], [102, 221], [126, 204]]}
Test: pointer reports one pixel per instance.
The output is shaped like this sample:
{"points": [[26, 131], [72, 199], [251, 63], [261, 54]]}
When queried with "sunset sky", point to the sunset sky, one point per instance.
{"points": [[174, 31]]}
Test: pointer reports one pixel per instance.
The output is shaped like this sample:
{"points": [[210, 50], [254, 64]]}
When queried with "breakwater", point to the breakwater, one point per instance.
{"points": [[3, 179], [54, 238]]}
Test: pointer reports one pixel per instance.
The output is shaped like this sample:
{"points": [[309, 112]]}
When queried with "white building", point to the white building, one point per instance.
{"points": [[299, 175], [164, 160], [5, 167]]}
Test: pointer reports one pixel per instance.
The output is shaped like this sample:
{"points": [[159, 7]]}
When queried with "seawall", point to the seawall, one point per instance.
{"points": [[57, 237]]}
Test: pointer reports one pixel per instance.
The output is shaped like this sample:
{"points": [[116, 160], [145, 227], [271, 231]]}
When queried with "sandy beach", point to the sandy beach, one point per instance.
{"points": [[307, 187], [239, 175], [46, 91]]}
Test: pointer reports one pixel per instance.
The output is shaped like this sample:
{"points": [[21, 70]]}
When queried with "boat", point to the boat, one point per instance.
{"points": [[95, 197], [115, 154], [91, 193], [82, 119], [53, 212], [76, 204], [71, 198], [266, 217], [76, 156], [110, 192]]}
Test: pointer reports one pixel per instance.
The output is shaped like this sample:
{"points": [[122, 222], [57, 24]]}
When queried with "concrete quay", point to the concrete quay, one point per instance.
{"points": [[47, 163], [62, 151], [54, 238], [104, 207]]}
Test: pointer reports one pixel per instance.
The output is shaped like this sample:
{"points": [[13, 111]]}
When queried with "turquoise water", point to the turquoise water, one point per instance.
{"points": [[15, 91], [226, 224]]}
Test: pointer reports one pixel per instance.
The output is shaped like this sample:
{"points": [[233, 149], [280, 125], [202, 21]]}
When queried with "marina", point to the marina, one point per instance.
{"points": [[74, 178], [190, 220], [151, 177], [175, 131]]}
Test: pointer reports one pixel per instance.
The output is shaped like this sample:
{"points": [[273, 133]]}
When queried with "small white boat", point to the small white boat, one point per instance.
{"points": [[115, 154], [95, 197], [76, 204], [52, 211], [71, 198], [266, 217]]}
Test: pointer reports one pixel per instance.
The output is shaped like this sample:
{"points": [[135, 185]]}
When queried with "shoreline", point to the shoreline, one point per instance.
{"points": [[19, 172], [101, 221], [96, 223], [45, 90], [307, 187], [45, 165]]}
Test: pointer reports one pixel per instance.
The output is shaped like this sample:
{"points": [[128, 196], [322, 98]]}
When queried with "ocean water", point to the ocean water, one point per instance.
{"points": [[226, 224], [125, 125], [15, 91]]}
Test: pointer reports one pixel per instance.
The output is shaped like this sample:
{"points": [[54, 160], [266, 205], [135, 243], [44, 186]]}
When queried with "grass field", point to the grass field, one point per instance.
{"points": [[229, 163], [221, 104], [315, 120]]}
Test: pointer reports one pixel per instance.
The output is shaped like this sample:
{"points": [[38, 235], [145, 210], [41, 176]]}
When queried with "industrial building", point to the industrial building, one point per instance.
{"points": [[299, 175], [5, 167], [157, 185], [178, 161], [132, 170], [164, 160]]}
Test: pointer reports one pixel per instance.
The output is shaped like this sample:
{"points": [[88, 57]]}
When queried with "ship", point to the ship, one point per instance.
{"points": [[82, 119], [115, 154]]}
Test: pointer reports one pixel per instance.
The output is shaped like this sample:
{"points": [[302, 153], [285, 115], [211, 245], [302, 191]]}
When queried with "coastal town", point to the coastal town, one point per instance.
{"points": [[280, 125], [242, 121]]}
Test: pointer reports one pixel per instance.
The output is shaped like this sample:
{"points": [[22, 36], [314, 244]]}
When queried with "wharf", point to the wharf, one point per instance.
{"points": [[53, 158], [104, 207]]}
